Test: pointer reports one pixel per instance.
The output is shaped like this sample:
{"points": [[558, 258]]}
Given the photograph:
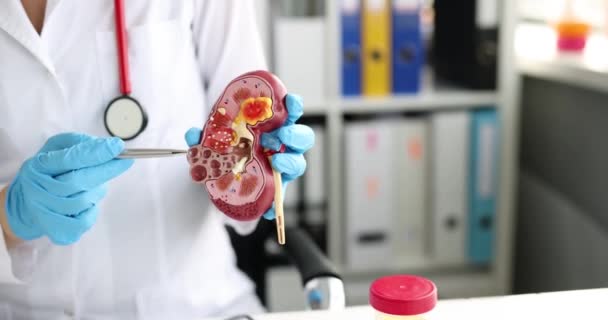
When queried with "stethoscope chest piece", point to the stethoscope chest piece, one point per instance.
{"points": [[125, 118]]}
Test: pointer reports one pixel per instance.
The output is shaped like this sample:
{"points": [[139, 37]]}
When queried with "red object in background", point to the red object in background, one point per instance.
{"points": [[572, 35], [571, 44], [404, 295], [230, 161]]}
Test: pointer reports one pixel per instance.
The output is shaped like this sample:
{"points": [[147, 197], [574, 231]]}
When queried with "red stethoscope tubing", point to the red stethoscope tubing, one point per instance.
{"points": [[124, 116], [123, 47]]}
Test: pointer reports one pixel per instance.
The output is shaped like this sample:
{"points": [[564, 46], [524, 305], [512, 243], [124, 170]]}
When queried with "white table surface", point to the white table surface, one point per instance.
{"points": [[571, 305]]}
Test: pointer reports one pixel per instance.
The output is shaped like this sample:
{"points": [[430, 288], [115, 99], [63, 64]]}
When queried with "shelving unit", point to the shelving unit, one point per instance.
{"points": [[453, 281]]}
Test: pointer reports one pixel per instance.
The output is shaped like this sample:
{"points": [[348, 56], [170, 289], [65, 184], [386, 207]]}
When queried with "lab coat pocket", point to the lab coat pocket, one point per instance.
{"points": [[153, 53]]}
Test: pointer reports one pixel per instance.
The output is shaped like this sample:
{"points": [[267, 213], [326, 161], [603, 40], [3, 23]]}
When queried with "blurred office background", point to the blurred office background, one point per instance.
{"points": [[459, 140]]}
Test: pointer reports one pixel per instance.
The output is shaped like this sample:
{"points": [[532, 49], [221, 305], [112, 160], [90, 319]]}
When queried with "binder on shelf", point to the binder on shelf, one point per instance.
{"points": [[301, 39], [291, 201], [292, 218], [410, 156], [449, 172], [369, 199], [407, 46], [376, 42], [314, 217], [314, 222], [314, 184], [465, 42], [486, 44], [291, 198], [483, 185], [350, 11]]}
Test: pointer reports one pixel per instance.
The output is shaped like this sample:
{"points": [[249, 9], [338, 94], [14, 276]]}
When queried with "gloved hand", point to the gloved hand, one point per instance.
{"points": [[297, 139], [56, 192]]}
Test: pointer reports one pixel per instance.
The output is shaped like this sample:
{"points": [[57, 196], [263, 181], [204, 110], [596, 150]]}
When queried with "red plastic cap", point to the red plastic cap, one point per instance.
{"points": [[403, 295]]}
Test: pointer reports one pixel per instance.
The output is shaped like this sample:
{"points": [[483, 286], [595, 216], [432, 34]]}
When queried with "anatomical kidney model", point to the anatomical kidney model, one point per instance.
{"points": [[230, 161]]}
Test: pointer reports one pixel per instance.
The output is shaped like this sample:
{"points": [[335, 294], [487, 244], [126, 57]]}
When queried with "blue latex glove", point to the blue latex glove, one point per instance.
{"points": [[56, 192], [297, 139]]}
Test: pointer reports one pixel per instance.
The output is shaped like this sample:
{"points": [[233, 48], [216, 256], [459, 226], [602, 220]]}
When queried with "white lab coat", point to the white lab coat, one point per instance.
{"points": [[158, 249]]}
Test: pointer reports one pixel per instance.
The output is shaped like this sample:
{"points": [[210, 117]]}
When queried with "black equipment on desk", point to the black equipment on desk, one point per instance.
{"points": [[465, 42], [321, 281]]}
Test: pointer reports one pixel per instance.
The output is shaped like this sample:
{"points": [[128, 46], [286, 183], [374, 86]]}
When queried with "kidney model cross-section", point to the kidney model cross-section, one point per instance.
{"points": [[230, 161]]}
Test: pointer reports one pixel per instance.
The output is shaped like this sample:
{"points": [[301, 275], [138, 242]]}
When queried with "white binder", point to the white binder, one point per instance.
{"points": [[299, 55], [450, 140], [291, 198], [410, 156], [315, 192], [369, 199]]}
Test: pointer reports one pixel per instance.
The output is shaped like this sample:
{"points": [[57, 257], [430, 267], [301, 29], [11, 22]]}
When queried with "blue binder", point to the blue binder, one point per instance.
{"points": [[483, 185], [351, 47], [407, 46]]}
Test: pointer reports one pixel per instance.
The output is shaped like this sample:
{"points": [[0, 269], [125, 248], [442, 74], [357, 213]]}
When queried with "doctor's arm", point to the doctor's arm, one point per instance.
{"points": [[55, 193]]}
